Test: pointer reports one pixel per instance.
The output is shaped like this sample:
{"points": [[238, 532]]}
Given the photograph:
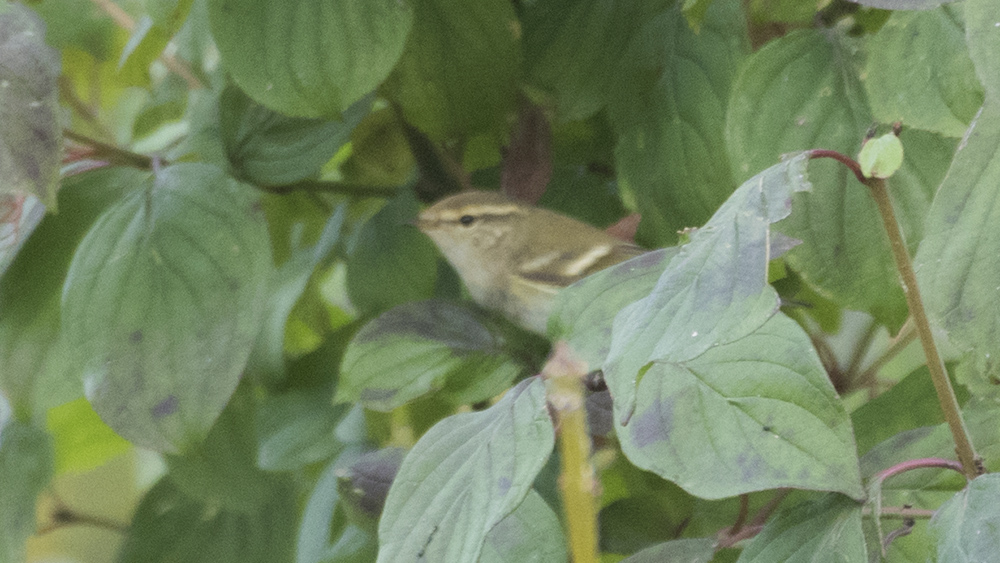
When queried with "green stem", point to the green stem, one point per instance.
{"points": [[564, 377], [946, 395]]}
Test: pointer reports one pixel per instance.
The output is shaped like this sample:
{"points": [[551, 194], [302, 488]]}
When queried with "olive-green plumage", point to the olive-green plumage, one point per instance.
{"points": [[514, 257]]}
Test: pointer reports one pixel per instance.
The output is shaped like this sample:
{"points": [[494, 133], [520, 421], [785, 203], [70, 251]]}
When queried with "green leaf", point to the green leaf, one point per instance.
{"points": [[418, 347], [584, 312], [81, 439], [267, 359], [983, 38], [25, 470], [968, 525], [31, 136], [296, 429], [828, 529], [881, 157], [309, 59], [795, 93], [764, 404], [692, 550], [958, 263], [464, 476], [324, 534], [36, 373], [222, 470], [909, 404], [669, 111], [714, 291], [77, 24], [163, 301], [919, 72], [531, 533], [458, 74], [267, 148], [573, 49], [170, 526], [392, 263]]}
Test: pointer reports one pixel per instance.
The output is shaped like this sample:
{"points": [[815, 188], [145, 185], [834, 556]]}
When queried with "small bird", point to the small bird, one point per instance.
{"points": [[514, 257]]}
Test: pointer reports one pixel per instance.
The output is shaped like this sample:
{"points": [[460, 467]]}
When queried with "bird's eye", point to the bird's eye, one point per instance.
{"points": [[466, 220]]}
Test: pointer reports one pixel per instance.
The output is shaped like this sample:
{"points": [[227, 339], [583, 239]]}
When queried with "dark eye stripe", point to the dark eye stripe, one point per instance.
{"points": [[466, 219]]}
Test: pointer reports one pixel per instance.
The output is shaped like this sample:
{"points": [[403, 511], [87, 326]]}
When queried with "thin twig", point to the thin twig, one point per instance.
{"points": [[907, 334], [110, 153]]}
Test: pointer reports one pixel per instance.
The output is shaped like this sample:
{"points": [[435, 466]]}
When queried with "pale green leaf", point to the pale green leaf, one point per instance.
{"points": [[827, 530], [464, 476], [692, 550], [713, 291], [324, 535], [968, 525], [958, 263], [749, 415], [163, 301], [532, 533]]}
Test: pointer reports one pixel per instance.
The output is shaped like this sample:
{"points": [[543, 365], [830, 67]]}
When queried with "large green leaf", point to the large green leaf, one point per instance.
{"points": [[531, 532], [574, 49], [36, 373], [30, 135], [714, 290], [584, 312], [968, 525], [163, 301], [309, 59], [704, 359], [669, 110], [464, 476], [820, 531], [753, 414], [795, 93], [421, 346], [919, 72], [268, 148], [958, 263], [458, 75], [25, 470]]}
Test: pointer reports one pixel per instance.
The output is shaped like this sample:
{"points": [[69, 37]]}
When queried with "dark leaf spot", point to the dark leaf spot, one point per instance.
{"points": [[165, 407]]}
